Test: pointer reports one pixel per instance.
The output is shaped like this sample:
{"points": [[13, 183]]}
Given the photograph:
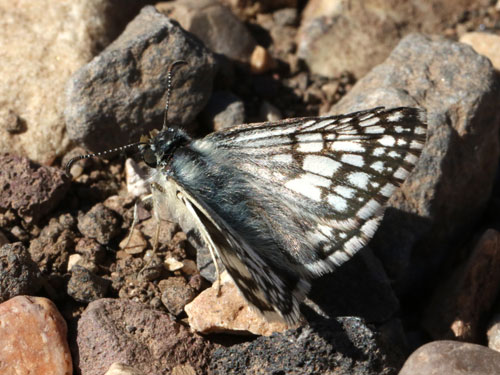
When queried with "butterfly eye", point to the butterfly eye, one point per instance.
{"points": [[149, 158]]}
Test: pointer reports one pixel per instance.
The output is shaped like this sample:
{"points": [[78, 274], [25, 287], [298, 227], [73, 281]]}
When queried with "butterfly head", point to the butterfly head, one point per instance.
{"points": [[158, 149]]}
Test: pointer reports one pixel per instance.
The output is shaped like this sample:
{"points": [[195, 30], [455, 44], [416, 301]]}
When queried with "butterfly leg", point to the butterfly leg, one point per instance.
{"points": [[206, 237], [135, 220]]}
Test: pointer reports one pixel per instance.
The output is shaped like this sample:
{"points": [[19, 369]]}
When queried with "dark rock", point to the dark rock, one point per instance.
{"points": [[153, 269], [460, 305], [215, 25], [84, 286], [123, 331], [100, 223], [452, 358], [449, 188], [343, 346], [3, 239], [91, 249], [18, 273], [120, 94], [51, 249], [176, 293], [31, 190], [224, 110]]}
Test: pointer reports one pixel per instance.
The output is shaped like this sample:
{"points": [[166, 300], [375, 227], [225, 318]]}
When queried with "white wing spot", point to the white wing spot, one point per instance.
{"points": [[399, 129], [344, 191], [359, 179], [387, 140], [410, 158], [353, 245], [379, 151], [416, 145], [321, 165], [310, 142], [345, 120], [387, 189], [368, 209], [304, 187], [401, 173], [370, 121], [356, 160], [337, 202], [339, 257], [326, 230], [374, 130], [378, 166], [401, 142], [369, 228], [346, 146], [419, 130], [396, 116], [344, 225], [314, 137], [394, 154], [367, 116]]}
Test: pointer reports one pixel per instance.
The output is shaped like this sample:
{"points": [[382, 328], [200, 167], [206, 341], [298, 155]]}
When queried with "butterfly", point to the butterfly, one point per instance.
{"points": [[281, 203]]}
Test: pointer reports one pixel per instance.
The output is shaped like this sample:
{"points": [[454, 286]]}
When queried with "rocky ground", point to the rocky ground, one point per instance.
{"points": [[79, 77]]}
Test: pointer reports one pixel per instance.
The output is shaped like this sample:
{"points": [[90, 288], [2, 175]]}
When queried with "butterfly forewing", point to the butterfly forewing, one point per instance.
{"points": [[332, 174]]}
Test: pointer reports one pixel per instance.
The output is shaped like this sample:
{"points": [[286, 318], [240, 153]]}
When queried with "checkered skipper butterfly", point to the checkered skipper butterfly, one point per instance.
{"points": [[284, 202]]}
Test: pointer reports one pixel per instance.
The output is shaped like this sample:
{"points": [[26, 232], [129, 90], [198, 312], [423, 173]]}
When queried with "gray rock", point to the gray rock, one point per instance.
{"points": [[449, 188], [120, 95], [452, 358], [123, 331], [18, 273], [216, 26], [335, 37]]}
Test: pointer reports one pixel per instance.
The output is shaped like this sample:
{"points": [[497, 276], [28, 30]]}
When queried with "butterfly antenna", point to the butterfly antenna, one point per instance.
{"points": [[169, 89], [98, 154]]}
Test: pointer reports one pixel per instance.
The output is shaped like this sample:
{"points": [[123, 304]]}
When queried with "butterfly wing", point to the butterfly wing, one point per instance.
{"points": [[320, 184]]}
